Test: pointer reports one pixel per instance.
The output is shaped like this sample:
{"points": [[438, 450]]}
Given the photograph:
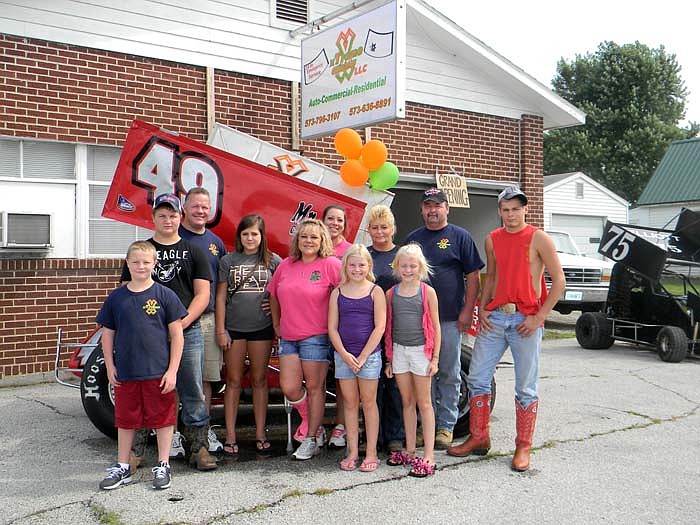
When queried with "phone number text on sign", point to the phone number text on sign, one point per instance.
{"points": [[369, 106], [322, 119]]}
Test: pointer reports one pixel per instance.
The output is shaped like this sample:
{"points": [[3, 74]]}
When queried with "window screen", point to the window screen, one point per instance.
{"points": [[48, 160]]}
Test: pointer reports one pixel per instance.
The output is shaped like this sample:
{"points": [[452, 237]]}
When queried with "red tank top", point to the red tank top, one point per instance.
{"points": [[512, 252]]}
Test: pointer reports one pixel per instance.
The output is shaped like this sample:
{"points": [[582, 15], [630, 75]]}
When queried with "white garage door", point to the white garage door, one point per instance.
{"points": [[585, 229]]}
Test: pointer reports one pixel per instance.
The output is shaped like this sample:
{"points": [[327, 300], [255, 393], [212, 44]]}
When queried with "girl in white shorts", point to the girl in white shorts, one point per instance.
{"points": [[412, 345]]}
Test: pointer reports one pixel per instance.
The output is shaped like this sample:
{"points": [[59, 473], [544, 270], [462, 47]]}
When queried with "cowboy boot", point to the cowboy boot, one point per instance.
{"points": [[479, 441], [200, 457], [302, 406], [525, 427]]}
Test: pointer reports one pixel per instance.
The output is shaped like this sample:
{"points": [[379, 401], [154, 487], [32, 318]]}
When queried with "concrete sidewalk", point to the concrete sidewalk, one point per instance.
{"points": [[616, 441]]}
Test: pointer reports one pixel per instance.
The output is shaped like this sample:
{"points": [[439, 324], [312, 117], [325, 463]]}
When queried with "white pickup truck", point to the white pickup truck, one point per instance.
{"points": [[587, 278]]}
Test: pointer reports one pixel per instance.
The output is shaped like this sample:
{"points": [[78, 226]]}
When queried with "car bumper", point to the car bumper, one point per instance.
{"points": [[580, 295]]}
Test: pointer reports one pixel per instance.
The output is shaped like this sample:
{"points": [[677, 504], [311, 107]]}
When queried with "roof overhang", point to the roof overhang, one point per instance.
{"points": [[554, 110]]}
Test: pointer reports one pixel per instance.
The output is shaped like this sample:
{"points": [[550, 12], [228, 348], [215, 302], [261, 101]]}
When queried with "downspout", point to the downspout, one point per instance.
{"points": [[211, 102]]}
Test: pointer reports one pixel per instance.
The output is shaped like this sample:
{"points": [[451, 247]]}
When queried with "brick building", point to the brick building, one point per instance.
{"points": [[73, 77]]}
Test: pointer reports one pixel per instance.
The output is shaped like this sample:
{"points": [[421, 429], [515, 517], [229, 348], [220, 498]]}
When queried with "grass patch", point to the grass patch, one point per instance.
{"points": [[103, 516], [322, 492], [293, 494], [558, 334]]}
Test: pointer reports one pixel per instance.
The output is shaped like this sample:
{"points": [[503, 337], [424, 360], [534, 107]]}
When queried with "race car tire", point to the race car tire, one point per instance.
{"points": [[97, 394], [461, 428], [594, 331], [672, 344]]}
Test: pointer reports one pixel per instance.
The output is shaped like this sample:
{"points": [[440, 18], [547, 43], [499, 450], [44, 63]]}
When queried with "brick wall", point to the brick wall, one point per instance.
{"points": [[39, 296], [62, 92]]}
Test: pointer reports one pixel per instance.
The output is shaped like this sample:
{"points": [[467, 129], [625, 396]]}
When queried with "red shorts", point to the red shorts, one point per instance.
{"points": [[140, 404]]}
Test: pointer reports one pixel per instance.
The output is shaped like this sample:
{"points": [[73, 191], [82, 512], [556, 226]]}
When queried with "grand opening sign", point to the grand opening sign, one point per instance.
{"points": [[354, 73], [154, 161]]}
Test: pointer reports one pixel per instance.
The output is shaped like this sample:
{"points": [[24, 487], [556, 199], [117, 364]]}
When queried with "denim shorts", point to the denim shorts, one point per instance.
{"points": [[370, 370], [314, 348]]}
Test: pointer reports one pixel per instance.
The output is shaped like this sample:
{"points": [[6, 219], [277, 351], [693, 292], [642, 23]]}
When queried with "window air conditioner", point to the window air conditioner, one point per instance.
{"points": [[25, 230]]}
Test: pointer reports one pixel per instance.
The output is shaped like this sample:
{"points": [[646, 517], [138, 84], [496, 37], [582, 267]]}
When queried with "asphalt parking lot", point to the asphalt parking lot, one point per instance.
{"points": [[616, 442]]}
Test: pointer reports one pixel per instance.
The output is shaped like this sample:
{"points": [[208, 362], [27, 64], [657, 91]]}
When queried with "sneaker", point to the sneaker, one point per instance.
{"points": [[214, 444], [443, 439], [161, 476], [337, 439], [177, 450], [321, 436], [307, 449], [116, 476]]}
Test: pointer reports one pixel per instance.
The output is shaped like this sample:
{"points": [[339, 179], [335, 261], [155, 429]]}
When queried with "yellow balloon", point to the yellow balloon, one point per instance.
{"points": [[374, 154], [348, 143], [354, 173]]}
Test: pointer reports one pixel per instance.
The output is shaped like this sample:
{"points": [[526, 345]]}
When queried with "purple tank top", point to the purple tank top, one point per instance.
{"points": [[355, 322]]}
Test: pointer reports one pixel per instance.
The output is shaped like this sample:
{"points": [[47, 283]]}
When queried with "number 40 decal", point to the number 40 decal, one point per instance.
{"points": [[161, 168]]}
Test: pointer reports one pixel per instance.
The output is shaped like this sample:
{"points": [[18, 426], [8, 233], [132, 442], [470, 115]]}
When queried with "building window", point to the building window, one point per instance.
{"points": [[579, 190], [296, 11], [106, 237], [26, 159]]}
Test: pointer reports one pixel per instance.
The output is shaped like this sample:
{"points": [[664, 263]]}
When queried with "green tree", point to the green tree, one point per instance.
{"points": [[634, 99]]}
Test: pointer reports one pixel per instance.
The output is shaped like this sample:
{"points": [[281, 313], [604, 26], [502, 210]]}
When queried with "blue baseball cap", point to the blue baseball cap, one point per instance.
{"points": [[168, 199]]}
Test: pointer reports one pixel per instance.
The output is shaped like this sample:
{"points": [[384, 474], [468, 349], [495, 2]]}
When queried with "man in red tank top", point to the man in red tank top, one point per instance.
{"points": [[516, 305]]}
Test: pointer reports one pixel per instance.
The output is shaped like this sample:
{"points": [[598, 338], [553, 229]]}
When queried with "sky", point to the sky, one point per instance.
{"points": [[535, 35]]}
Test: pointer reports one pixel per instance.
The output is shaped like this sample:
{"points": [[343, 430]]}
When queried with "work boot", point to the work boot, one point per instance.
{"points": [[479, 441], [525, 427], [138, 448], [198, 441], [302, 406]]}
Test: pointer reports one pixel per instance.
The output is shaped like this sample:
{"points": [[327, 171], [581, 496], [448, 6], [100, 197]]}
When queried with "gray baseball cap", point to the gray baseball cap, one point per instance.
{"points": [[512, 192]]}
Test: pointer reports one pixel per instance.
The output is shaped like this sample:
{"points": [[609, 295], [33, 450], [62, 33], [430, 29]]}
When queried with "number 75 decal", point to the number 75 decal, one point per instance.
{"points": [[161, 168], [618, 246]]}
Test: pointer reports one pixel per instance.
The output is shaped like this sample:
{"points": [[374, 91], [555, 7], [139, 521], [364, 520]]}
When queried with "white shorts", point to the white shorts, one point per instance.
{"points": [[409, 359], [213, 356]]}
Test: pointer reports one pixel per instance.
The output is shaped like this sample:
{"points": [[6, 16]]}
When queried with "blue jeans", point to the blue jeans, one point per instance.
{"points": [[189, 378], [314, 348], [489, 348], [446, 383]]}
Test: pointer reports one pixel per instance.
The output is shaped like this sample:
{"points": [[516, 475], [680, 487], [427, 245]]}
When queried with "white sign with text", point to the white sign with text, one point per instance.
{"points": [[354, 73], [455, 189]]}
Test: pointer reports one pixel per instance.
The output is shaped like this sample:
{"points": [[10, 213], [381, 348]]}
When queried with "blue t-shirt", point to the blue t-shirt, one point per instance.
{"points": [[383, 271], [213, 247], [140, 320], [452, 253]]}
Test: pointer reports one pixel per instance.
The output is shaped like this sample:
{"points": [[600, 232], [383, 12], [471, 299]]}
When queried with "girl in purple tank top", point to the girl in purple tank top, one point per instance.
{"points": [[356, 320]]}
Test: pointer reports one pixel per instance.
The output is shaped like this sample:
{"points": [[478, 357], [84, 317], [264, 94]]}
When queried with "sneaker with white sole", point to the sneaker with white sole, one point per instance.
{"points": [[161, 476], [307, 449], [177, 449], [321, 436], [337, 439], [214, 444], [116, 477]]}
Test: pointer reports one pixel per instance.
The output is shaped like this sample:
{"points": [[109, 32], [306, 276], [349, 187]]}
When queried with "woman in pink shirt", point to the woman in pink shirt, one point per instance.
{"points": [[299, 293], [335, 219]]}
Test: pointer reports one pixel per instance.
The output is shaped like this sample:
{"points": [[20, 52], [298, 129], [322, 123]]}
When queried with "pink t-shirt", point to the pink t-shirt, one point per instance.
{"points": [[303, 290], [341, 248]]}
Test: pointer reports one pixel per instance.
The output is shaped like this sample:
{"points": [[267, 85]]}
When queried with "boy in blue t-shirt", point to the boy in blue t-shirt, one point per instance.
{"points": [[142, 342]]}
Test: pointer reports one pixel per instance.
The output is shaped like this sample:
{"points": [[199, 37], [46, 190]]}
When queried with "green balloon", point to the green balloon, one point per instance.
{"points": [[384, 177]]}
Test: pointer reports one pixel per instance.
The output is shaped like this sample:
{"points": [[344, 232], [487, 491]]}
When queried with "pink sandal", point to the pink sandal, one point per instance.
{"points": [[400, 458], [422, 469], [349, 464]]}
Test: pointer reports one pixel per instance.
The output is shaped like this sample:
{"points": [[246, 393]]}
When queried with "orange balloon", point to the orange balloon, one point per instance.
{"points": [[354, 173], [348, 143], [374, 154]]}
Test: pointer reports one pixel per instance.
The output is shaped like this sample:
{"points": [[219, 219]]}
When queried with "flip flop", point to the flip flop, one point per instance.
{"points": [[263, 447], [349, 464], [369, 465], [422, 469], [231, 450]]}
